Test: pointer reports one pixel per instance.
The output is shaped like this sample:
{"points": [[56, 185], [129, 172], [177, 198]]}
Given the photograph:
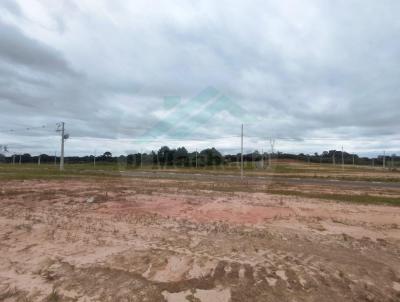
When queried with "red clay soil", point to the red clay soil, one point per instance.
{"points": [[155, 240]]}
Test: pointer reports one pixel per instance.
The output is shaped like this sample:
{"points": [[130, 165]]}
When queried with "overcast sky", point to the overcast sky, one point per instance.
{"points": [[134, 75]]}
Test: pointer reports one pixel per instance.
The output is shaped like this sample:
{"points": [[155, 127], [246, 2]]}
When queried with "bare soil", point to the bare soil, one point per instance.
{"points": [[164, 240]]}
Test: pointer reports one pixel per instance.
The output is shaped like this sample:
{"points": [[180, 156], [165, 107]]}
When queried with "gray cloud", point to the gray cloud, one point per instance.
{"points": [[311, 69], [19, 49], [11, 6]]}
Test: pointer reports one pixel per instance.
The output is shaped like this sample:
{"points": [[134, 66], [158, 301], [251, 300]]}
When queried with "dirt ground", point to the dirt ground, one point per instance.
{"points": [[164, 240]]}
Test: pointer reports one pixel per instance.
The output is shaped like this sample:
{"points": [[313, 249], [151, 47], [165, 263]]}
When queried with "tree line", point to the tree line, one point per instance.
{"points": [[181, 157]]}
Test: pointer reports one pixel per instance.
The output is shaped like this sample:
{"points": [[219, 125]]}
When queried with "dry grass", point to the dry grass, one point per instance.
{"points": [[54, 296], [278, 168]]}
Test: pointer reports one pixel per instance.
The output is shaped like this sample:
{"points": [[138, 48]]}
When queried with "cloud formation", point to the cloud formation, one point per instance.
{"points": [[298, 69]]}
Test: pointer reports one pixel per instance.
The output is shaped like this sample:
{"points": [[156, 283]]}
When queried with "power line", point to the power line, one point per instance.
{"points": [[299, 139], [155, 139], [23, 129]]}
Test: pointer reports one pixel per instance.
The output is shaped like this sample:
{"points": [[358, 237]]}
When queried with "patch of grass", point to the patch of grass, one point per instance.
{"points": [[171, 182], [48, 172], [253, 188], [54, 296], [279, 169], [24, 226], [364, 199]]}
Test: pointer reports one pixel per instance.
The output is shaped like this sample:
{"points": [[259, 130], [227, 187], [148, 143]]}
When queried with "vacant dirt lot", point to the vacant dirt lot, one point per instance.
{"points": [[168, 240]]}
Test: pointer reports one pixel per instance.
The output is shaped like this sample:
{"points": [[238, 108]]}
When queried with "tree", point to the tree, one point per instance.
{"points": [[211, 156], [164, 155], [26, 158], [130, 159], [181, 156], [107, 156], [154, 157]]}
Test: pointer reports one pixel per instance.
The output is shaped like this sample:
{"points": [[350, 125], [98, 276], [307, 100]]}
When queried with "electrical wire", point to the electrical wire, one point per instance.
{"points": [[24, 129]]}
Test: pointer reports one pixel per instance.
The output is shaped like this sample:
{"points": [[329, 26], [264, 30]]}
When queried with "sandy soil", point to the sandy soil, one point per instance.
{"points": [[160, 240]]}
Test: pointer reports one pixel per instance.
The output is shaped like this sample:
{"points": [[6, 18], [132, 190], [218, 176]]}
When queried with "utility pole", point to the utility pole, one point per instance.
{"points": [[342, 159], [64, 136], [62, 146], [272, 143], [384, 159], [39, 160], [333, 158], [94, 159], [353, 160], [20, 159], [269, 159], [196, 158], [262, 158], [241, 154]]}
